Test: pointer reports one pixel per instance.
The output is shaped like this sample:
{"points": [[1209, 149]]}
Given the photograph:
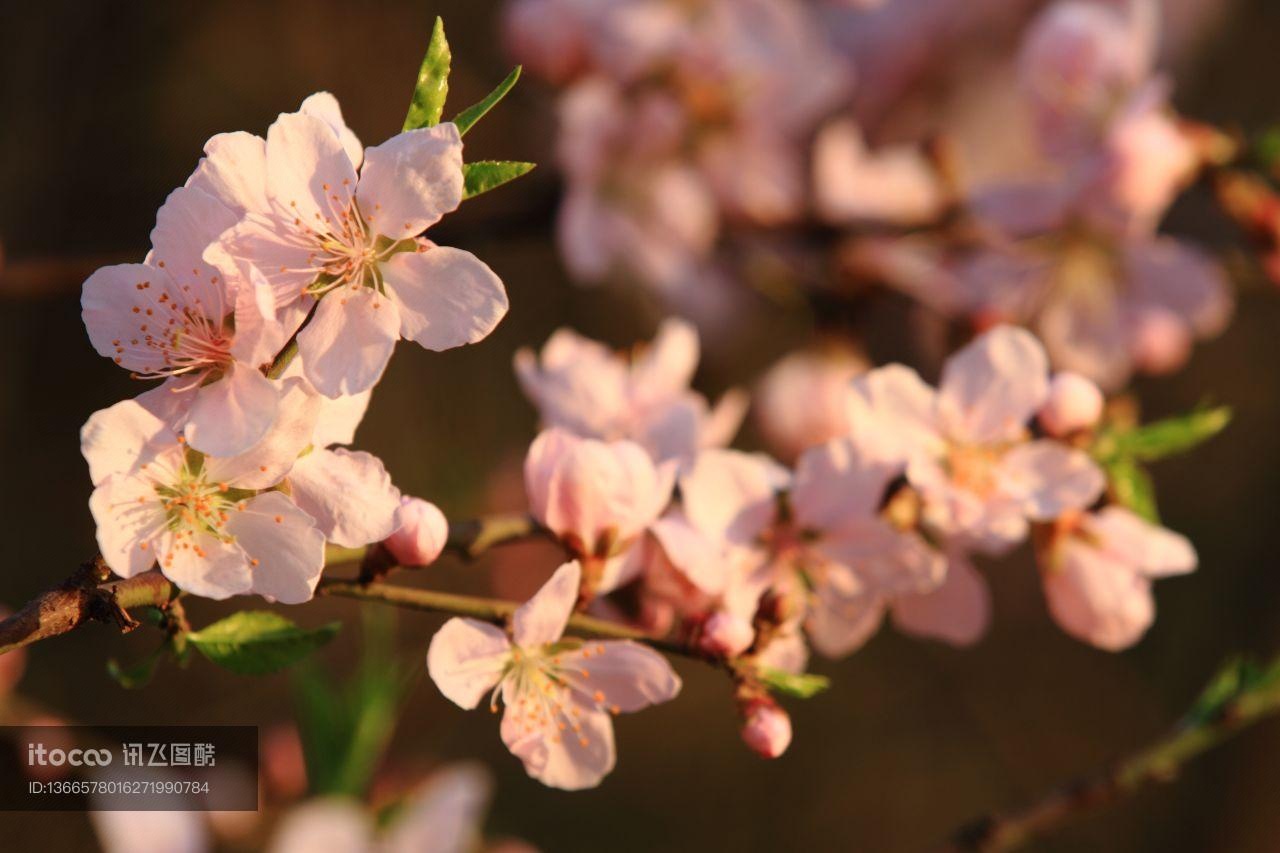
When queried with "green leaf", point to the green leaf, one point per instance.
{"points": [[483, 175], [433, 82], [1131, 487], [256, 642], [1171, 436], [137, 675], [803, 686], [466, 119]]}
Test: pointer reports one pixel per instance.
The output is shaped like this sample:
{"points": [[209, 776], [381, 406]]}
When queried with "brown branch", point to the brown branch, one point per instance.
{"points": [[90, 594], [86, 596], [1238, 696], [491, 610]]}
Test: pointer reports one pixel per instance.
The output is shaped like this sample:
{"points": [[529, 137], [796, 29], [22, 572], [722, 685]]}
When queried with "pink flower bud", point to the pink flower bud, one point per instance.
{"points": [[726, 635], [594, 494], [422, 533], [1161, 341], [1074, 403], [767, 728]]}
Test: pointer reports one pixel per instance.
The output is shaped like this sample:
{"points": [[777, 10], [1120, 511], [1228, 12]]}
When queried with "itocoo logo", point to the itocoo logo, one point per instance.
{"points": [[37, 754]]}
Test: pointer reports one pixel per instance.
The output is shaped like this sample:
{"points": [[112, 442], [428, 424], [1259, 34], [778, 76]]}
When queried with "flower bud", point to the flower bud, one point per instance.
{"points": [[1161, 342], [421, 535], [726, 635], [594, 495], [1074, 404], [767, 728]]}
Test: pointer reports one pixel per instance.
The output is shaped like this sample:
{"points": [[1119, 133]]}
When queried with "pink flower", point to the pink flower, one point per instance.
{"points": [[341, 232], [803, 400], [1081, 62], [1097, 575], [579, 385], [559, 693], [726, 634], [855, 185], [965, 448], [766, 728], [1074, 403], [151, 831], [177, 318], [210, 522], [596, 496], [421, 535], [349, 493], [442, 816]]}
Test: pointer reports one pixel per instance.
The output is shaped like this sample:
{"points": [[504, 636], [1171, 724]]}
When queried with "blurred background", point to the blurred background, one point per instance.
{"points": [[105, 107]]}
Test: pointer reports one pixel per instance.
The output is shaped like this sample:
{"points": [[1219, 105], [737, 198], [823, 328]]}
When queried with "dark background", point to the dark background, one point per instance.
{"points": [[104, 108]]}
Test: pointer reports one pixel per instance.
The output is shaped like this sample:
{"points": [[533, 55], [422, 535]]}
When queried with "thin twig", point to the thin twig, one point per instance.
{"points": [[491, 610], [1238, 696], [90, 594]]}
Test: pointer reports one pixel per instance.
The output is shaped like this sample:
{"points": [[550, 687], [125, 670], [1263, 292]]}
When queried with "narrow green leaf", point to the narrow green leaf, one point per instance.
{"points": [[256, 642], [1172, 436], [483, 175], [1131, 487], [466, 119], [137, 675], [433, 82], [803, 686]]}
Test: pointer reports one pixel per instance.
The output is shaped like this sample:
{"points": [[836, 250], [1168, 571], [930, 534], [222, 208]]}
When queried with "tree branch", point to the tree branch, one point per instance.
{"points": [[490, 610], [90, 594], [1240, 695], [86, 596]]}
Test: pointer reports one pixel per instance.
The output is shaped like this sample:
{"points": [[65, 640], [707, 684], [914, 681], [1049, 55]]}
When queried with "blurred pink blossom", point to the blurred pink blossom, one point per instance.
{"points": [[1074, 403], [766, 728], [802, 401], [1097, 575], [580, 385], [965, 447]]}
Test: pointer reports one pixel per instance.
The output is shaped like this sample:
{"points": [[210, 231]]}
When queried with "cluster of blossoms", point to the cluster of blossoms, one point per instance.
{"points": [[752, 562], [684, 165], [677, 119], [231, 474], [1076, 255]]}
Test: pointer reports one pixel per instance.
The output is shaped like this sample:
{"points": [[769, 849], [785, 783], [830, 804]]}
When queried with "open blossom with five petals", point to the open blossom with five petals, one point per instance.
{"points": [[178, 318], [1097, 572], [965, 448], [213, 524], [559, 693], [341, 226], [580, 385]]}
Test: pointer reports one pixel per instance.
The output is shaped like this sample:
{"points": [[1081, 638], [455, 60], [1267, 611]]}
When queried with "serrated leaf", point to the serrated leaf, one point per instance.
{"points": [[257, 642], [1131, 487], [1172, 436], [483, 175], [803, 686], [137, 675], [432, 88], [466, 119]]}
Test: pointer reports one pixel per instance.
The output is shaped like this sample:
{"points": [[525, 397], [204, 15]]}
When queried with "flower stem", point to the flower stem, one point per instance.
{"points": [[1239, 695], [489, 610]]}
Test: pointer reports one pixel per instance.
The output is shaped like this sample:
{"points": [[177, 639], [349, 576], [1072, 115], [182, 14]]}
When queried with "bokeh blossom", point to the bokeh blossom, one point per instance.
{"points": [[581, 386]]}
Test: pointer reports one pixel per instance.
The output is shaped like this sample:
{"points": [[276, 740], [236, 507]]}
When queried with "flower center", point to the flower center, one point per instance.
{"points": [[973, 468]]}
